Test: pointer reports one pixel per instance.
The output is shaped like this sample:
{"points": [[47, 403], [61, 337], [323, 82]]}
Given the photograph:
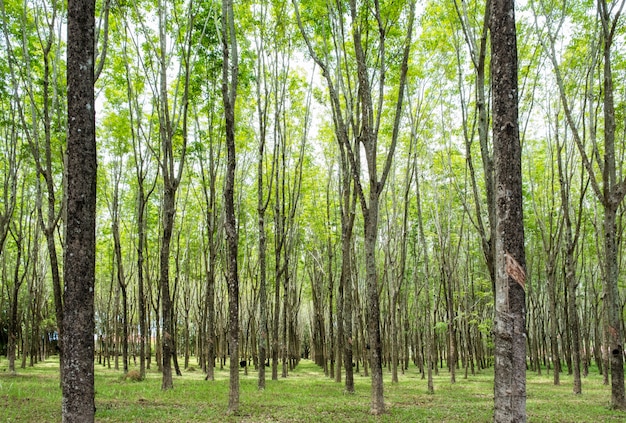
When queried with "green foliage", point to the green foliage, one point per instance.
{"points": [[441, 327]]}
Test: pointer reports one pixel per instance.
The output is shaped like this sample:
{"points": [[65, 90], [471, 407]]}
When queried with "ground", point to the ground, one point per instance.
{"points": [[33, 395]]}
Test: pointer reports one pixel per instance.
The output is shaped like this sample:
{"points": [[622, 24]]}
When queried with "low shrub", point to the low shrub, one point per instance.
{"points": [[133, 375]]}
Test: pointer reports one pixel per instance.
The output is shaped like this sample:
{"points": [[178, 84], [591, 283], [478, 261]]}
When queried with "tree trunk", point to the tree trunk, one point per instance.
{"points": [[121, 278], [373, 316], [211, 222], [80, 248], [230, 75], [552, 318], [613, 197], [17, 233], [348, 207], [610, 192], [171, 181], [167, 341], [144, 335], [613, 311], [331, 326], [262, 204], [571, 240], [509, 324], [285, 308]]}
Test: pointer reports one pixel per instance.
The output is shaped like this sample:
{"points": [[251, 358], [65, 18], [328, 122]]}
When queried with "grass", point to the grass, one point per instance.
{"points": [[33, 395]]}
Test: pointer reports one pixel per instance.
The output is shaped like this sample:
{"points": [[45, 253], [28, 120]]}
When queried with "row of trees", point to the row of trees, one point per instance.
{"points": [[356, 223]]}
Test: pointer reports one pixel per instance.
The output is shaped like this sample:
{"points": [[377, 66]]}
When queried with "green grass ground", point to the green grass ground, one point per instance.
{"points": [[33, 395]]}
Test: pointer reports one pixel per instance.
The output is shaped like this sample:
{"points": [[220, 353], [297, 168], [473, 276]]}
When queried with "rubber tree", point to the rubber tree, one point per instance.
{"points": [[600, 163], [230, 79], [367, 22], [510, 308], [78, 403]]}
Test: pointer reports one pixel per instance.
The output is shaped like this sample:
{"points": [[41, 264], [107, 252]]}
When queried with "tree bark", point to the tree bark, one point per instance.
{"points": [[262, 204], [348, 209], [571, 234], [171, 181], [212, 213], [121, 278], [79, 270], [22, 260], [510, 312], [613, 197], [230, 75]]}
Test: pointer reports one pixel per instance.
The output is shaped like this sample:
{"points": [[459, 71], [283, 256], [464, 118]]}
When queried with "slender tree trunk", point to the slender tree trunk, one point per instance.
{"points": [[210, 261], [331, 326], [552, 318], [429, 341], [262, 204], [230, 74], [347, 225], [394, 327], [80, 247], [144, 336], [171, 181], [367, 130], [18, 234], [210, 322], [285, 308], [571, 241], [13, 331], [167, 212], [263, 329], [339, 340], [478, 51], [121, 278], [610, 192]]}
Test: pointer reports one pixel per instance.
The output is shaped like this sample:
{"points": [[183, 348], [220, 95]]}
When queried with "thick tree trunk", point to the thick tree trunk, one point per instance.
{"points": [[613, 311], [80, 248], [373, 301], [614, 196], [510, 312]]}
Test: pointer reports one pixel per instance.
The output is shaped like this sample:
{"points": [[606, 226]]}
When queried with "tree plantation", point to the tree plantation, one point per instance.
{"points": [[386, 191]]}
